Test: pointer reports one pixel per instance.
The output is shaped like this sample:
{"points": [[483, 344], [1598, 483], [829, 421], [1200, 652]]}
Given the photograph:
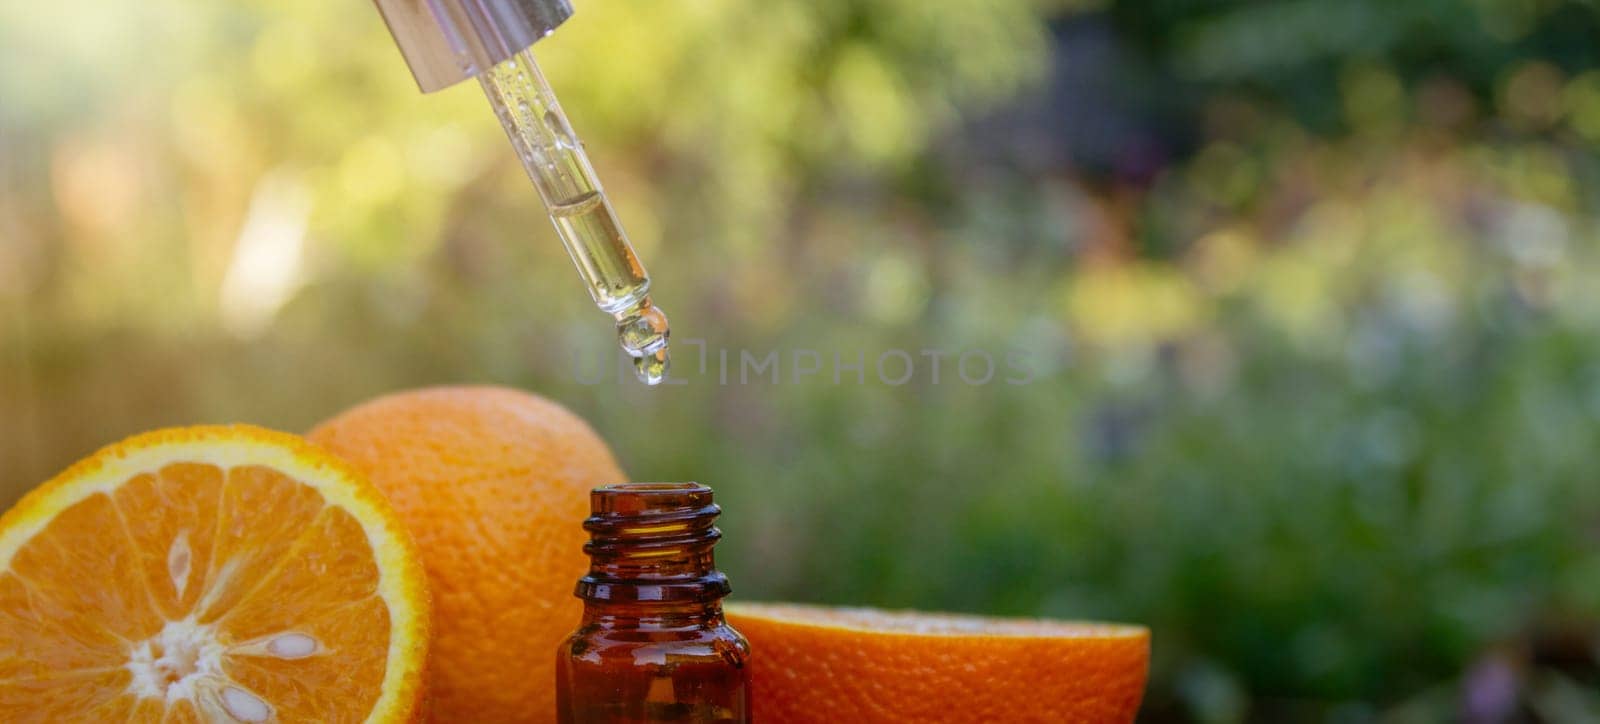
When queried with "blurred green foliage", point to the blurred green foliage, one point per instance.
{"points": [[1316, 398]]}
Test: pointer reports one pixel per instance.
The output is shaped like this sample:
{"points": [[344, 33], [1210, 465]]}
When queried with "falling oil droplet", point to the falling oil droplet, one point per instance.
{"points": [[652, 368]]}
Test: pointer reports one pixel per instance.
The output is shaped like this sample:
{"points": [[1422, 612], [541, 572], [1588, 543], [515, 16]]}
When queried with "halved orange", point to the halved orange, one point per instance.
{"points": [[221, 574], [861, 665]]}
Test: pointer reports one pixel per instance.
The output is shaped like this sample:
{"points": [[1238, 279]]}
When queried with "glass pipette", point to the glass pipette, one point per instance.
{"points": [[448, 41], [583, 217]]}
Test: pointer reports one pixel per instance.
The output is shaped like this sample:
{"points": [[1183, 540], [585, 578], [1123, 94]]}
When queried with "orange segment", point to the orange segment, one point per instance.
{"points": [[820, 664], [181, 497], [88, 542], [263, 515], [86, 695], [219, 574], [43, 640]]}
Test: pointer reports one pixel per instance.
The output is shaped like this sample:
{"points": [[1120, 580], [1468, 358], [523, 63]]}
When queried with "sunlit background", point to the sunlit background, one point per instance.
{"points": [[1309, 290]]}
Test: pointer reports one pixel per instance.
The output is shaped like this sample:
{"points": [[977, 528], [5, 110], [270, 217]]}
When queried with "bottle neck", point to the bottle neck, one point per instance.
{"points": [[654, 616], [650, 553]]}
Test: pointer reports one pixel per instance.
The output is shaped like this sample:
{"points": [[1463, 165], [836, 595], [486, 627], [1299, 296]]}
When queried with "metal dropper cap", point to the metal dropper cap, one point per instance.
{"points": [[447, 41]]}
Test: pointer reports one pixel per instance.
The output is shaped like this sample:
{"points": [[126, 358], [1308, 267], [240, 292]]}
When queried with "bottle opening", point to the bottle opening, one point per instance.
{"points": [[653, 488], [644, 500]]}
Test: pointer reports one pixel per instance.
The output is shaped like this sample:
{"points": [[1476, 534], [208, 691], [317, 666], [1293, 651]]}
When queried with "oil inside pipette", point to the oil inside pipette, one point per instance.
{"points": [[583, 216]]}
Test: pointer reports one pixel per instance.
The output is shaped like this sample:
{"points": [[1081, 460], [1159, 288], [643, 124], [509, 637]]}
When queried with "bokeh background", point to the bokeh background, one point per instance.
{"points": [[1311, 290]]}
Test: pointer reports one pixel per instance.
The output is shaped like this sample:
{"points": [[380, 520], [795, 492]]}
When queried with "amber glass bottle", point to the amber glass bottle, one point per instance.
{"points": [[653, 645]]}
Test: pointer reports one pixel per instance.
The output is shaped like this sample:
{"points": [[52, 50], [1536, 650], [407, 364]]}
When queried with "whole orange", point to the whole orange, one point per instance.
{"points": [[493, 484]]}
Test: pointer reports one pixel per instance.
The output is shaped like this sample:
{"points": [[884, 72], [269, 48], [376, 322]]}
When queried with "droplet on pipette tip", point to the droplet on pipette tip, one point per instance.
{"points": [[642, 330]]}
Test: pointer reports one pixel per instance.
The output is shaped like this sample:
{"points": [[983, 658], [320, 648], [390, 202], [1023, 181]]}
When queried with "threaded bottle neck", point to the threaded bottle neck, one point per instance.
{"points": [[650, 544]]}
